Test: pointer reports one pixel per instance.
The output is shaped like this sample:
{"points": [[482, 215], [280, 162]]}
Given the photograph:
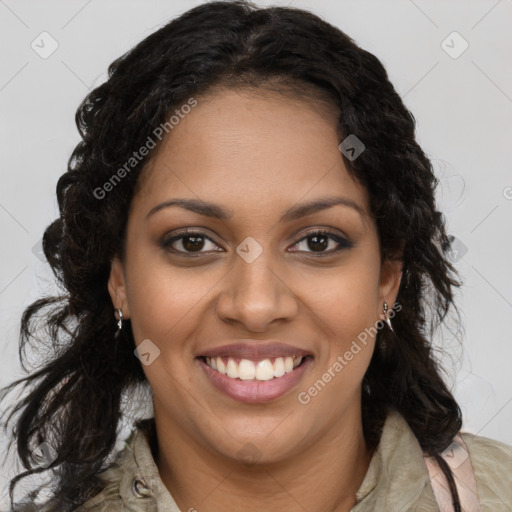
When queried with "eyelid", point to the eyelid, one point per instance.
{"points": [[324, 230]]}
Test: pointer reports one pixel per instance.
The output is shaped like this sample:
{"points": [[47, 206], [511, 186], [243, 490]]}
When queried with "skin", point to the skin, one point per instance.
{"points": [[256, 154]]}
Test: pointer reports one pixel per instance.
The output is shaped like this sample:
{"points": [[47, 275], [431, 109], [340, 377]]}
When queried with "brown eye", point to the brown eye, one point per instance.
{"points": [[192, 242], [319, 241], [189, 243]]}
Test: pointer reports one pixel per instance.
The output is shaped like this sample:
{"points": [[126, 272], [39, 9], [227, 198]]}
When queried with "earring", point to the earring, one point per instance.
{"points": [[120, 321], [385, 308]]}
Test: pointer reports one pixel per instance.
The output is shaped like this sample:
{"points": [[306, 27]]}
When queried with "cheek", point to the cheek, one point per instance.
{"points": [[336, 380], [164, 299], [350, 315], [353, 323], [165, 303], [352, 305]]}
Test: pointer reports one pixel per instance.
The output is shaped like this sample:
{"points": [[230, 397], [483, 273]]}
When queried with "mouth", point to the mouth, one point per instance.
{"points": [[254, 380]]}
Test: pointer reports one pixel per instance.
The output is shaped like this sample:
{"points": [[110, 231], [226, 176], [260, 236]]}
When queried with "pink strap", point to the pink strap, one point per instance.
{"points": [[457, 457]]}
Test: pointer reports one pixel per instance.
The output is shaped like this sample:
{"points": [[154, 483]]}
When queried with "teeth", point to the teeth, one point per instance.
{"points": [[221, 368], [264, 370], [246, 370], [232, 369], [250, 370], [278, 367]]}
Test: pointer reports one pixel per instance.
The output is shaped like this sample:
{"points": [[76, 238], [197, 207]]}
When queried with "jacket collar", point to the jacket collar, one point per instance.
{"points": [[397, 477], [141, 480]]}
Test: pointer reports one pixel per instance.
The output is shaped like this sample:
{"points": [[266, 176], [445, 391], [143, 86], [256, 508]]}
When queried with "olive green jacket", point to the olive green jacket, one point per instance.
{"points": [[397, 479]]}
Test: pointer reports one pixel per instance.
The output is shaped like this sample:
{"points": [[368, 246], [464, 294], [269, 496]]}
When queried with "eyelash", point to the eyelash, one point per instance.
{"points": [[343, 243]]}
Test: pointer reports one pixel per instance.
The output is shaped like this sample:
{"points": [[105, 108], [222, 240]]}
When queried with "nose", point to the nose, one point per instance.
{"points": [[257, 294]]}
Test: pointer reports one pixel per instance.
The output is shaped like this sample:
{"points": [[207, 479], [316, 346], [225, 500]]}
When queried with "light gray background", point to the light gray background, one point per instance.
{"points": [[463, 108]]}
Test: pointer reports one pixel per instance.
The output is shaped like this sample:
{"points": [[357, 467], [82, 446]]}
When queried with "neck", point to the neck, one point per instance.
{"points": [[323, 477]]}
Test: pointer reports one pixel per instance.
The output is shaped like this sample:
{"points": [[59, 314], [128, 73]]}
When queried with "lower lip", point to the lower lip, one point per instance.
{"points": [[255, 391]]}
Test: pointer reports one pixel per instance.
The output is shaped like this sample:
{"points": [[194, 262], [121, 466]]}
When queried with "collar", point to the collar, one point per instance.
{"points": [[140, 482], [397, 477]]}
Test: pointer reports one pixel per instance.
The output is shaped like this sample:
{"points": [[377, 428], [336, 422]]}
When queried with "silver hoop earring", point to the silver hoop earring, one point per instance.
{"points": [[385, 308], [120, 321]]}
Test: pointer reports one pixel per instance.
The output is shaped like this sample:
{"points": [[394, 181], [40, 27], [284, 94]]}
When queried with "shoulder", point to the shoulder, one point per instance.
{"points": [[488, 454], [492, 465]]}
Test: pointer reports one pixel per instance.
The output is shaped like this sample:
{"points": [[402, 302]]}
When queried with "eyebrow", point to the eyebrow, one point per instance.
{"points": [[295, 212]]}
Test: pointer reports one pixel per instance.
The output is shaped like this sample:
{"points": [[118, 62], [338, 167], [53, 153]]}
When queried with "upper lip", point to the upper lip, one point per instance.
{"points": [[256, 349]]}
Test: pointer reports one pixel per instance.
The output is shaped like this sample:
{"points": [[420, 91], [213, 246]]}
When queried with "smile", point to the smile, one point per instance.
{"points": [[254, 381]]}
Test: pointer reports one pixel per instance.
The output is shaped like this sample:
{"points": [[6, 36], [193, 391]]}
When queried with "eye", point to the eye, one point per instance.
{"points": [[188, 243], [318, 241]]}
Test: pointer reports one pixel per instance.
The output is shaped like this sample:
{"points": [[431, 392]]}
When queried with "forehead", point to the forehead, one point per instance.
{"points": [[246, 148]]}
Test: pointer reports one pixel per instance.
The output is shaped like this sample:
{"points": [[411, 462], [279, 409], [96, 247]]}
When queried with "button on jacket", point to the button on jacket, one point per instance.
{"points": [[397, 479]]}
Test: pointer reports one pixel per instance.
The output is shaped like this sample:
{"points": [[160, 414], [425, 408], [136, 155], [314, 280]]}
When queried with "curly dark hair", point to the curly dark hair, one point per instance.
{"points": [[239, 45]]}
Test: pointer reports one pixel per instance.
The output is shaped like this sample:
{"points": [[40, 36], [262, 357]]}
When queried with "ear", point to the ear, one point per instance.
{"points": [[390, 278], [117, 287]]}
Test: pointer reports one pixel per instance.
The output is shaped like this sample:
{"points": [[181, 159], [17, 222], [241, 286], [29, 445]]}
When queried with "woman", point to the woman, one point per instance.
{"points": [[248, 230]]}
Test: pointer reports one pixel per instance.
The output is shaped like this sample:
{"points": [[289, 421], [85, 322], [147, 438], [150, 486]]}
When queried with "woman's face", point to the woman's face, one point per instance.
{"points": [[252, 280]]}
